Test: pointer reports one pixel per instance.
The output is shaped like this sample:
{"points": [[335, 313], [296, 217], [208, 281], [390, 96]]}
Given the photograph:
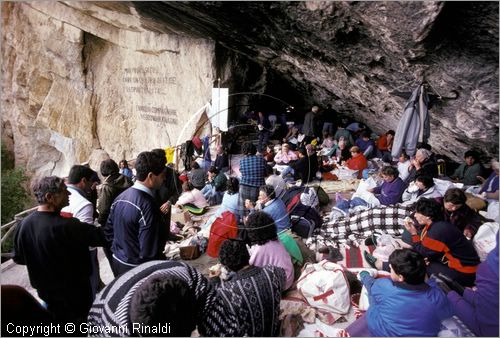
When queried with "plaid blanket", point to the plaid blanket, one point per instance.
{"points": [[359, 225]]}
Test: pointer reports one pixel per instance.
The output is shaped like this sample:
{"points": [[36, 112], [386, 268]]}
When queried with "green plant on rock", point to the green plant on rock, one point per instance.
{"points": [[15, 196]]}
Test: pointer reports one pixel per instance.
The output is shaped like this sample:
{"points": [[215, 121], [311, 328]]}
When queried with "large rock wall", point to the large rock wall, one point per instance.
{"points": [[355, 55], [82, 82]]}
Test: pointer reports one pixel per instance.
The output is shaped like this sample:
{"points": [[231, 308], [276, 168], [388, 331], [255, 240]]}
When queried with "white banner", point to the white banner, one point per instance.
{"points": [[219, 108]]}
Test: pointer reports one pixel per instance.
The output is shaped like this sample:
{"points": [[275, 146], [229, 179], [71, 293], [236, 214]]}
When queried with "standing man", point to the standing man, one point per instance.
{"points": [[114, 184], [135, 225], [309, 124], [264, 126], [80, 184], [55, 250]]}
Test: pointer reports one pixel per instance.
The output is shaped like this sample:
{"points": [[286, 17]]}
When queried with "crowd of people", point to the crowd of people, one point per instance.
{"points": [[438, 273]]}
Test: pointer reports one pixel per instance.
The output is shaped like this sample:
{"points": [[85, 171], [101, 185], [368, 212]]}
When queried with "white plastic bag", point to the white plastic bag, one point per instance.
{"points": [[344, 173], [485, 239], [385, 247], [325, 286]]}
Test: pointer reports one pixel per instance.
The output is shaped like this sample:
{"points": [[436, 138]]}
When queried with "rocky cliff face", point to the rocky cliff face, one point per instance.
{"points": [[86, 80], [81, 83], [355, 55]]}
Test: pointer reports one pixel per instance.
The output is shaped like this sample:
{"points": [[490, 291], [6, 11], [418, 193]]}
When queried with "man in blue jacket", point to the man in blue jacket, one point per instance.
{"points": [[134, 226], [404, 305]]}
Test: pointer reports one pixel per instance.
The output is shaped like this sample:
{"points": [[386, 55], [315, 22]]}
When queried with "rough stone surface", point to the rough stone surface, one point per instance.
{"points": [[356, 54], [80, 80], [123, 77]]}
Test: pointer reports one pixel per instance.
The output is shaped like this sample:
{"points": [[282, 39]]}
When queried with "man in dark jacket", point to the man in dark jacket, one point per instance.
{"points": [[55, 250], [114, 184], [134, 226]]}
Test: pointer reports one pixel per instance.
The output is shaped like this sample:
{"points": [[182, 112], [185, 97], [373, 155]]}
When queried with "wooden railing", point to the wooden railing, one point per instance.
{"points": [[11, 227]]}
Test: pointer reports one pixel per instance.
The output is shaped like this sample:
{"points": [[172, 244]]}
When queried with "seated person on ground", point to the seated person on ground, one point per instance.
{"points": [[302, 169], [272, 206], [222, 160], [229, 203], [328, 142], [478, 307], [340, 152], [265, 248], [191, 195], [388, 193], [444, 246], [253, 292], [161, 293], [357, 161], [268, 153], [404, 305], [423, 186], [197, 176], [488, 191], [356, 128], [458, 213], [404, 166], [274, 179], [384, 146], [366, 145], [215, 187], [422, 165], [342, 132], [285, 155], [468, 172]]}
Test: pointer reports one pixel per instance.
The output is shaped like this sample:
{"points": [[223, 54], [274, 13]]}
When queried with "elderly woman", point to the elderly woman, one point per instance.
{"points": [[444, 246], [285, 155], [422, 165]]}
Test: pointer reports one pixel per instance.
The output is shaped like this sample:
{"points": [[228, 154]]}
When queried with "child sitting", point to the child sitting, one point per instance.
{"points": [[404, 166], [404, 305]]}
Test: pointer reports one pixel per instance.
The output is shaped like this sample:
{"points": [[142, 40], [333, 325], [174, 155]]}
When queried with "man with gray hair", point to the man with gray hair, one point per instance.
{"points": [[422, 165], [55, 250]]}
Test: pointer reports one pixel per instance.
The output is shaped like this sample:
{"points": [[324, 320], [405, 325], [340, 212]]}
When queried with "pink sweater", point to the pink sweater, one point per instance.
{"points": [[285, 157], [194, 197], [273, 253]]}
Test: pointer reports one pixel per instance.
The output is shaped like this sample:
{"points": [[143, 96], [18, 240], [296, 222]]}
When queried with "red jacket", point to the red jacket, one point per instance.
{"points": [[357, 163]]}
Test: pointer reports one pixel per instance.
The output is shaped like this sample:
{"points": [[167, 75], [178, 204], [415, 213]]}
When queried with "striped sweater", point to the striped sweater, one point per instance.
{"points": [[109, 315]]}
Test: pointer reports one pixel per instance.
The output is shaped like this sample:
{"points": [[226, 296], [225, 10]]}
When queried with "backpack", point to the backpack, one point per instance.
{"points": [[302, 226], [325, 287]]}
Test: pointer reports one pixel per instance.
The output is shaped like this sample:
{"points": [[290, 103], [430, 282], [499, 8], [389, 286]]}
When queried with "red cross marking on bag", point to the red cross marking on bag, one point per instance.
{"points": [[323, 296]]}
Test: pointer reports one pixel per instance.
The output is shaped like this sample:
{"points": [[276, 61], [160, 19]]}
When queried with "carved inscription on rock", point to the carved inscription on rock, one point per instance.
{"points": [[147, 80], [158, 114], [150, 81]]}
